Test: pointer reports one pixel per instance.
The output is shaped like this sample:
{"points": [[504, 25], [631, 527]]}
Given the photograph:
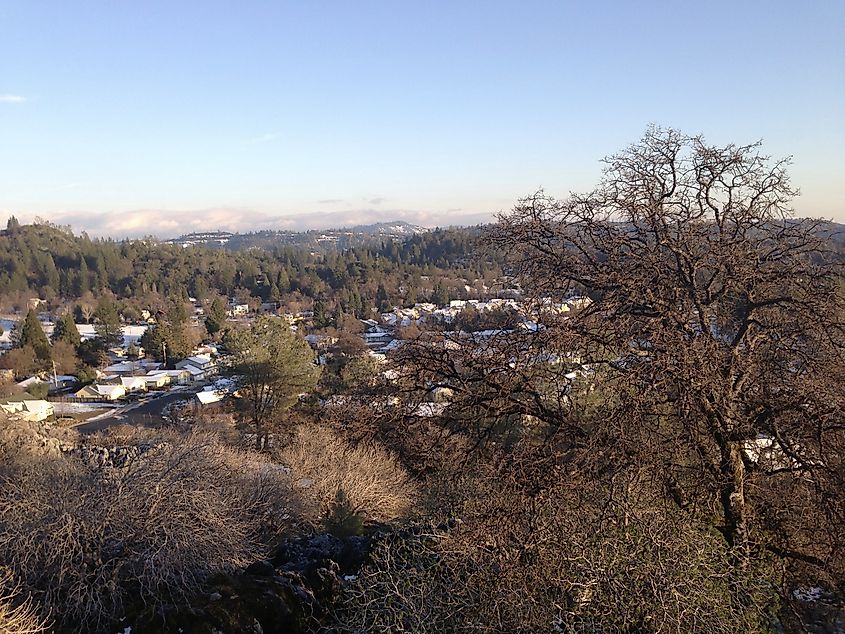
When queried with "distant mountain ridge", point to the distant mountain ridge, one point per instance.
{"points": [[322, 239]]}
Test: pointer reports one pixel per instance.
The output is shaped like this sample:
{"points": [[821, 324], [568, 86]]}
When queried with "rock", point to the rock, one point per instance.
{"points": [[215, 596], [263, 568]]}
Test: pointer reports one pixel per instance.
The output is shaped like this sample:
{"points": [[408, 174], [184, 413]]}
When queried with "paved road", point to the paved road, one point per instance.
{"points": [[146, 413]]}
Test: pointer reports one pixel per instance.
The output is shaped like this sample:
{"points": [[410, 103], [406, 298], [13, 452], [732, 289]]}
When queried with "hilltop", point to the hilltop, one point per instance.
{"points": [[326, 239]]}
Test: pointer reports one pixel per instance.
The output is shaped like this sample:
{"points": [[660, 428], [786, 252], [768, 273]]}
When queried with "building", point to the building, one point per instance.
{"points": [[101, 392], [34, 410], [157, 380], [199, 366], [134, 383]]}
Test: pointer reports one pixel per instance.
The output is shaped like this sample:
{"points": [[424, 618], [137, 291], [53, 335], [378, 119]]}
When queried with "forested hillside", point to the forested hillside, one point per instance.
{"points": [[55, 265]]}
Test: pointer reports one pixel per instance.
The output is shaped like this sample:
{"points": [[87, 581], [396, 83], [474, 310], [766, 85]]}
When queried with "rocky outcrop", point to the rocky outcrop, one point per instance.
{"points": [[287, 593], [97, 457], [290, 592]]}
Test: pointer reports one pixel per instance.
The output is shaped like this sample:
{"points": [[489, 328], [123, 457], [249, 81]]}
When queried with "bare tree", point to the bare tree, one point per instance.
{"points": [[701, 359]]}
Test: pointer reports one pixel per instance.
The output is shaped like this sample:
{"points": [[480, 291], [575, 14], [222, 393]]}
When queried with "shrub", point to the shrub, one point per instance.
{"points": [[91, 542], [17, 616], [370, 477]]}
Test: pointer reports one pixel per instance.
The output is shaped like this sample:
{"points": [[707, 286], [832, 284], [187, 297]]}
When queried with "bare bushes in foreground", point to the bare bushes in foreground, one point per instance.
{"points": [[91, 542], [17, 616], [371, 479], [555, 561]]}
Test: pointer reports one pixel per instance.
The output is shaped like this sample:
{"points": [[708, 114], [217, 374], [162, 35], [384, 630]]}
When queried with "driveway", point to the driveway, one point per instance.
{"points": [[145, 413]]}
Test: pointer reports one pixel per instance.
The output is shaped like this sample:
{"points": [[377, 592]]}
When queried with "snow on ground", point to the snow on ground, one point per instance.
{"points": [[69, 409]]}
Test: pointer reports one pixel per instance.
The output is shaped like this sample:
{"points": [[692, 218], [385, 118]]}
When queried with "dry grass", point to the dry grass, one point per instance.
{"points": [[370, 476], [88, 542]]}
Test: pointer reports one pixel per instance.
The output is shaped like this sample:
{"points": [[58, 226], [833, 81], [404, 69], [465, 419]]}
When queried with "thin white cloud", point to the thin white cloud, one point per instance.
{"points": [[12, 99], [264, 138], [167, 223]]}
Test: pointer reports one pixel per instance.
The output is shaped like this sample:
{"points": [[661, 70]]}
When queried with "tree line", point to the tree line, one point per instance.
{"points": [[52, 263]]}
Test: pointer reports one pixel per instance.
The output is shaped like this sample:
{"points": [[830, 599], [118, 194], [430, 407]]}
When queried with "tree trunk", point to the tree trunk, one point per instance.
{"points": [[733, 502]]}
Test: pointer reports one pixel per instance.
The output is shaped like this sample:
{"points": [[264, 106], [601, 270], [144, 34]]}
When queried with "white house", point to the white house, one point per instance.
{"points": [[134, 383], [200, 366], [101, 392], [30, 410], [156, 380], [180, 376]]}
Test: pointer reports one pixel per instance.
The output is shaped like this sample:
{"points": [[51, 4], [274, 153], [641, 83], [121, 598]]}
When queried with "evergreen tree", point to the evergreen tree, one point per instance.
{"points": [[66, 330], [319, 310], [440, 296], [215, 321], [108, 326], [382, 299], [32, 335], [81, 283], [275, 367]]}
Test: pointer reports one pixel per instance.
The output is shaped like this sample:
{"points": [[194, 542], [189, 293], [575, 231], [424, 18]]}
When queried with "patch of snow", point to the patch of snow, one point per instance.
{"points": [[808, 594]]}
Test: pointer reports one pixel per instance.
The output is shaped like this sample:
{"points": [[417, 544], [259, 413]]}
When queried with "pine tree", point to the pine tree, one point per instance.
{"points": [[67, 331], [32, 335], [215, 321], [108, 326]]}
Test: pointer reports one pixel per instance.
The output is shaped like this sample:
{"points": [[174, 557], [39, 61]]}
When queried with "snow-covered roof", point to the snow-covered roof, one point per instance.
{"points": [[206, 397]]}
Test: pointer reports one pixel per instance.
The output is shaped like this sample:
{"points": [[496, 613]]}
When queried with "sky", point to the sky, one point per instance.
{"points": [[139, 118]]}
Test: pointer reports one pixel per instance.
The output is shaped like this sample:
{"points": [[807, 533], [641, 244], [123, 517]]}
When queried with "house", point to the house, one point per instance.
{"points": [[320, 342], [238, 310], [201, 361], [60, 382], [180, 376], [101, 392], [134, 383], [30, 382], [156, 380], [200, 366], [124, 368], [34, 410]]}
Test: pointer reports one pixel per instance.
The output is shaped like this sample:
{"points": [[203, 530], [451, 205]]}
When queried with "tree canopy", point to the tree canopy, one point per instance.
{"points": [[275, 366], [699, 373]]}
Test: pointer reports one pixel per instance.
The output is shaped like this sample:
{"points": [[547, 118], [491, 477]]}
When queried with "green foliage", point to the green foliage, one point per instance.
{"points": [[46, 259], [167, 341], [274, 366], [93, 353], [108, 326], [38, 390], [32, 335], [215, 321], [67, 331], [86, 374], [440, 295], [359, 372]]}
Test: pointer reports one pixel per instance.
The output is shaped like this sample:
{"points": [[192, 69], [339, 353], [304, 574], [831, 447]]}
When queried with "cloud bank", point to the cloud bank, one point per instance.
{"points": [[12, 99], [169, 223]]}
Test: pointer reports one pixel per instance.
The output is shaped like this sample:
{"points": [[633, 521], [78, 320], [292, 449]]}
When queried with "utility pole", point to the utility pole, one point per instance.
{"points": [[164, 352]]}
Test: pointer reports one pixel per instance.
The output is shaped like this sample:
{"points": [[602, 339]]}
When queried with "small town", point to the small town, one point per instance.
{"points": [[435, 317]]}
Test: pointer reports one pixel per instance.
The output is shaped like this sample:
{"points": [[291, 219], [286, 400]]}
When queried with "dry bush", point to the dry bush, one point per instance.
{"points": [[370, 476], [17, 616], [92, 542], [572, 558]]}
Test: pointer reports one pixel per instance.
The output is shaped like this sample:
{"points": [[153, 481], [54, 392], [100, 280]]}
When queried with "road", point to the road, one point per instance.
{"points": [[145, 413]]}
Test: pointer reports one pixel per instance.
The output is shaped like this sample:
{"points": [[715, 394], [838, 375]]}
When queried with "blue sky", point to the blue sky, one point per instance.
{"points": [[131, 118]]}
